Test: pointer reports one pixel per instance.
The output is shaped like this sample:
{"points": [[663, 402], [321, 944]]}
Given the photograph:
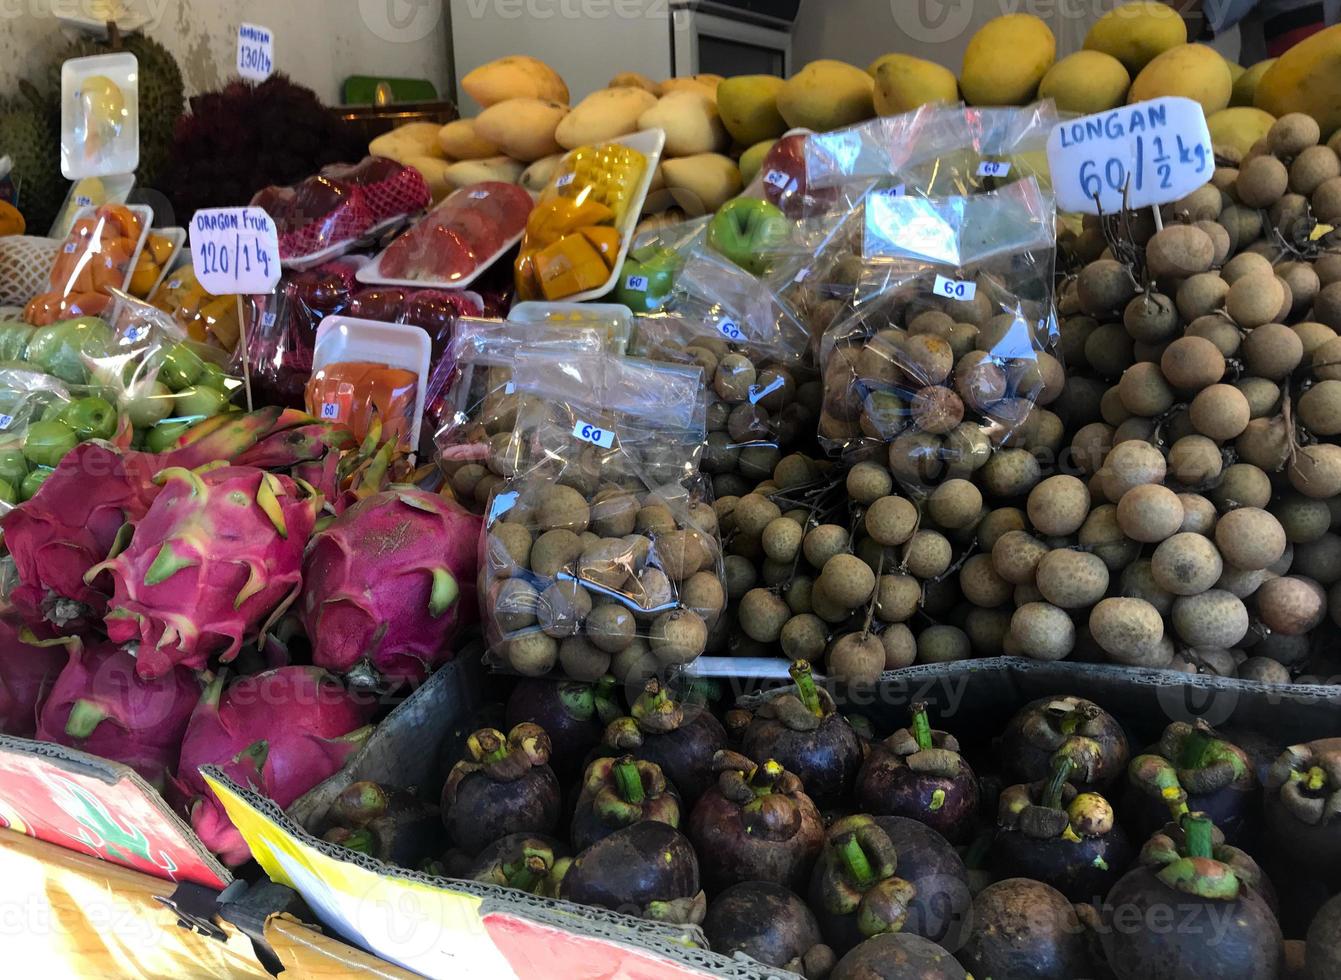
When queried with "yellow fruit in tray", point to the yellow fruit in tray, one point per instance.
{"points": [[1235, 130], [522, 128], [145, 275], [748, 105], [160, 247], [1086, 82], [902, 83], [1193, 71], [514, 77], [827, 95], [690, 122], [1245, 86], [1006, 60], [461, 140], [1307, 78], [1137, 33], [603, 115]]}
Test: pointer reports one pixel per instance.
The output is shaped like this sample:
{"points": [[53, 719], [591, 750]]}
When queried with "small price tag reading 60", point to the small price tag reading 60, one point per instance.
{"points": [[593, 434], [1139, 156], [955, 288], [235, 250], [730, 329]]}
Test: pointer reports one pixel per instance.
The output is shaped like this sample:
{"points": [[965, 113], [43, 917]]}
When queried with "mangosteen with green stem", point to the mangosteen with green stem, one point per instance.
{"points": [[1303, 809], [1053, 833], [385, 822], [1216, 775], [618, 792], [648, 869], [504, 786], [756, 824], [572, 713], [1191, 909], [768, 923], [919, 773], [894, 956], [1067, 725], [680, 737], [803, 731], [855, 891], [527, 862], [1026, 930]]}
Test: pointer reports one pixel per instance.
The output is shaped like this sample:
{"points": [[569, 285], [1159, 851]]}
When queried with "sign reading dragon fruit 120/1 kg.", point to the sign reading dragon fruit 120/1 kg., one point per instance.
{"points": [[235, 251], [1141, 155]]}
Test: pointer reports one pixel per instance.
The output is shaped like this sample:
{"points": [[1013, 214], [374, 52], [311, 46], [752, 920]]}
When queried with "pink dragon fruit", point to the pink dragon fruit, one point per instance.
{"points": [[279, 733], [387, 583], [27, 671], [217, 557], [73, 521], [101, 706]]}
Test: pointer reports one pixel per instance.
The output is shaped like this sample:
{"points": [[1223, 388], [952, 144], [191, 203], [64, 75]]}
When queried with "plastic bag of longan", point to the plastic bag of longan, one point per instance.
{"points": [[967, 150], [948, 349], [477, 409], [601, 553]]}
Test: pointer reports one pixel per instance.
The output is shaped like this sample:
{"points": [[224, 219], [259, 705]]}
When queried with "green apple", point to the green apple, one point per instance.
{"points": [[46, 442], [646, 279], [148, 404], [214, 376], [748, 231], [199, 402], [13, 466], [180, 368], [91, 418], [33, 482], [8, 495]]}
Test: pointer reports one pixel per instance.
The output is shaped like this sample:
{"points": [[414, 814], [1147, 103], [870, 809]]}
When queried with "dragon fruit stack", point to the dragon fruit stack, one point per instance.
{"points": [[386, 585], [217, 556], [27, 672], [101, 706], [280, 733]]}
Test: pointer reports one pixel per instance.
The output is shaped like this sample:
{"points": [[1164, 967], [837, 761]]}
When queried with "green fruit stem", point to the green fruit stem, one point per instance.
{"points": [[629, 781], [528, 875], [855, 861], [1196, 747], [488, 746], [765, 777], [922, 727], [85, 716], [805, 686], [1199, 834], [359, 840], [1061, 772]]}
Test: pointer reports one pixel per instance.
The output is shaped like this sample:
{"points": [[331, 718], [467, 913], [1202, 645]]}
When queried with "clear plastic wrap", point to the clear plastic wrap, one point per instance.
{"points": [[206, 318], [943, 347], [969, 150], [653, 264], [26, 398], [473, 398], [460, 238], [600, 550], [97, 256]]}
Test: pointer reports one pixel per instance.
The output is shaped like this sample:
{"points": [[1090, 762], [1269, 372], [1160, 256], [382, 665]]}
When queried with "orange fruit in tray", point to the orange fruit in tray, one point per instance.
{"points": [[159, 248], [126, 221]]}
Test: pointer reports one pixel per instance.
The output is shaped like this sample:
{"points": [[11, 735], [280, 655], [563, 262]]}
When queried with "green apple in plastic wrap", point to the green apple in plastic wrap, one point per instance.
{"points": [[13, 466], [65, 350], [647, 277], [14, 338], [8, 493], [33, 482], [199, 401], [91, 418], [147, 403], [747, 231], [180, 368], [214, 376], [46, 442], [161, 438]]}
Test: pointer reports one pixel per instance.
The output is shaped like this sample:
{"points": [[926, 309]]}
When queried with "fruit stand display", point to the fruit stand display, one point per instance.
{"points": [[873, 523]]}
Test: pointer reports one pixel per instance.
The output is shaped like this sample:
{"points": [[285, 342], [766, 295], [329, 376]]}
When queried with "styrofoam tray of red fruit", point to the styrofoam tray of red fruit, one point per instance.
{"points": [[329, 213], [463, 236]]}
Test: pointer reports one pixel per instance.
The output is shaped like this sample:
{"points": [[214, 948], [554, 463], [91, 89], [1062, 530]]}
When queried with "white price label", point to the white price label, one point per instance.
{"points": [[594, 434], [83, 200], [993, 168], [174, 284], [235, 250], [268, 320], [565, 180], [955, 288], [478, 195], [1138, 156], [637, 283], [778, 179], [6, 421], [510, 388], [898, 190], [731, 330], [69, 248], [255, 52], [330, 411], [137, 333]]}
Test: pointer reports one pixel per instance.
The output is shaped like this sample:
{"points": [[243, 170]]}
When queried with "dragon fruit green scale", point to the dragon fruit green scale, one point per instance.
{"points": [[217, 557]]}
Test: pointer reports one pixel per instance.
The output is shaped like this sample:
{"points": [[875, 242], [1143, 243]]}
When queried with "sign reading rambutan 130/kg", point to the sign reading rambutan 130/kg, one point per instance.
{"points": [[1138, 156]]}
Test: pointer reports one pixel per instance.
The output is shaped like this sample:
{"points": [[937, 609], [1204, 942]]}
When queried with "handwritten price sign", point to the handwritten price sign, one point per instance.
{"points": [[255, 52], [235, 251], [1152, 152]]}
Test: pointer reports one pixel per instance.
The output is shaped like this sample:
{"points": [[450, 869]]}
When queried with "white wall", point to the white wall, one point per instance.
{"points": [[317, 42]]}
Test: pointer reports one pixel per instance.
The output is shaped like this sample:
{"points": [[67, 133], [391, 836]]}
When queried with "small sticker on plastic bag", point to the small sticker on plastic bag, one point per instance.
{"points": [[593, 434], [478, 195], [137, 333], [956, 289], [731, 331], [330, 411], [993, 168], [778, 179], [565, 180], [6, 421], [510, 388], [637, 283]]}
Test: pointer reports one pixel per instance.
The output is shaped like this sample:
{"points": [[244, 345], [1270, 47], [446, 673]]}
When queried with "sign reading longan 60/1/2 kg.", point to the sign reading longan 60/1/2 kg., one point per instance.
{"points": [[1139, 156]]}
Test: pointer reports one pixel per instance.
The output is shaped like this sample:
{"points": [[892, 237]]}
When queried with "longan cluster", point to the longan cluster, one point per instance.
{"points": [[606, 581]]}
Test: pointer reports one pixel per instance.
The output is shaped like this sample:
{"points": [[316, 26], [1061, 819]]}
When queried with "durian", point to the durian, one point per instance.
{"points": [[29, 138]]}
